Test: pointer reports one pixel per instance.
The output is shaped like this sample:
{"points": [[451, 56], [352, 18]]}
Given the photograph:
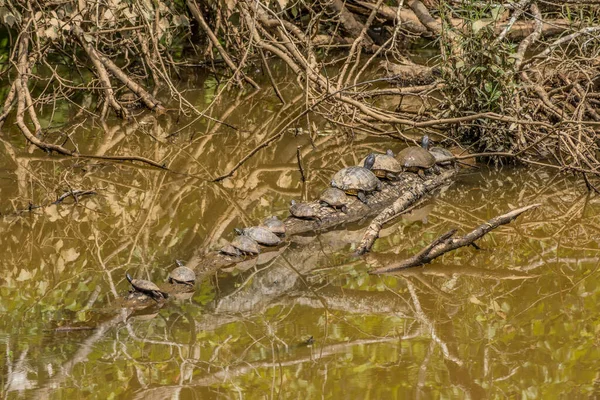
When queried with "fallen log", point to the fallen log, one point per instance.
{"points": [[400, 205], [446, 243], [409, 186]]}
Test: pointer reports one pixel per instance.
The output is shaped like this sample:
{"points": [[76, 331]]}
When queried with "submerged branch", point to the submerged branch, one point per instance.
{"points": [[446, 243]]}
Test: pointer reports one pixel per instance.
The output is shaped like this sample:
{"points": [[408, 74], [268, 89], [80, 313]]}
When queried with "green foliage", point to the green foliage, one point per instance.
{"points": [[479, 76]]}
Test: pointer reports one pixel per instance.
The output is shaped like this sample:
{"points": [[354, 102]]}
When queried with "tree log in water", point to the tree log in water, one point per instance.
{"points": [[409, 187], [446, 243]]}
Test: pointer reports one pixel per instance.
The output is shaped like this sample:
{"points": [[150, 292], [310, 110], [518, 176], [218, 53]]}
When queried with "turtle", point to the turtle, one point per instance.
{"points": [[260, 234], [386, 166], [275, 225], [357, 181], [182, 275], [303, 210], [241, 245], [417, 159], [146, 287], [130, 100], [440, 153], [334, 198]]}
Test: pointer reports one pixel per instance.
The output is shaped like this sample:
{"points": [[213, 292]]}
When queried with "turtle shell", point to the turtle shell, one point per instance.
{"points": [[275, 225], [145, 287], [414, 157], [355, 179], [182, 275], [245, 244], [230, 250], [334, 197], [439, 153], [262, 235], [384, 164], [303, 210]]}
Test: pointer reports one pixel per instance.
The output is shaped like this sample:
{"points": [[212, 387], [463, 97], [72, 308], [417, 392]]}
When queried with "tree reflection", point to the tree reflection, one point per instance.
{"points": [[490, 323]]}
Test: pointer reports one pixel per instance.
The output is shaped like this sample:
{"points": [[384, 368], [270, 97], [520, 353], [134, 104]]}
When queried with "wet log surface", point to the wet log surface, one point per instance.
{"points": [[408, 183]]}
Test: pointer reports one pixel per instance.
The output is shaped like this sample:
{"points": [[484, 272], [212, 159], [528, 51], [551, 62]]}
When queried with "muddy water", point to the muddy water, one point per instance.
{"points": [[517, 318]]}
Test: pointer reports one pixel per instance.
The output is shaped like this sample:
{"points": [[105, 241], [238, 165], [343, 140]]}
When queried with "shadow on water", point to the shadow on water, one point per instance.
{"points": [[518, 318]]}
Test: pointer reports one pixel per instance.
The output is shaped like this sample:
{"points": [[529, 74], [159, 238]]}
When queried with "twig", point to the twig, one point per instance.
{"points": [[270, 74], [299, 157], [446, 243]]}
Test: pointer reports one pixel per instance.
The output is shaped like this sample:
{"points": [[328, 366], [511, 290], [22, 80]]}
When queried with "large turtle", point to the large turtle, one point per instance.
{"points": [[386, 166], [275, 225], [334, 198], [417, 159], [357, 181], [146, 287], [182, 275], [261, 234], [241, 245], [303, 210]]}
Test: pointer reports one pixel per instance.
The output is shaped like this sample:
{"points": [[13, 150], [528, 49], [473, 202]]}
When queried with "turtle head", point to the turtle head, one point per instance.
{"points": [[389, 152], [369, 161], [238, 231], [425, 142], [179, 263], [129, 278], [293, 202]]}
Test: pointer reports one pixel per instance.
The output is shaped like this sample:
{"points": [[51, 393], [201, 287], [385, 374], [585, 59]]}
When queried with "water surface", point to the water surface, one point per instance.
{"points": [[517, 318]]}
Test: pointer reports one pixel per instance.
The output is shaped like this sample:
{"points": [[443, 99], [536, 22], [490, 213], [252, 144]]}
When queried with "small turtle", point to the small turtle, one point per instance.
{"points": [[241, 245], [335, 198], [260, 234], [230, 250], [182, 275], [146, 287], [357, 181], [386, 166], [440, 153], [417, 159], [275, 225], [303, 210], [130, 100]]}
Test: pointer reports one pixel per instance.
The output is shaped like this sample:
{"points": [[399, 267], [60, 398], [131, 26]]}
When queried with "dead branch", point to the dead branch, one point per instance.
{"points": [[193, 6], [8, 103], [532, 38], [109, 94], [446, 243], [399, 206], [349, 22]]}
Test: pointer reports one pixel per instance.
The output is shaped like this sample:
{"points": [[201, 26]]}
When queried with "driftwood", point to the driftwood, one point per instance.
{"points": [[401, 204], [446, 243], [409, 187]]}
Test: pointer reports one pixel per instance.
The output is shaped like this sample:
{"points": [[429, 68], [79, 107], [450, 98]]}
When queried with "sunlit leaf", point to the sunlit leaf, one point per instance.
{"points": [[69, 255], [24, 275]]}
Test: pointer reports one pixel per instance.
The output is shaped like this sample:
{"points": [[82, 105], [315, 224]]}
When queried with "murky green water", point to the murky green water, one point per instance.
{"points": [[517, 319]]}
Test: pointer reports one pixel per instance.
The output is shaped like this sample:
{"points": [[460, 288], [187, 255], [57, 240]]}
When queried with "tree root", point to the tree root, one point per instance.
{"points": [[109, 94], [103, 66], [446, 243], [23, 99]]}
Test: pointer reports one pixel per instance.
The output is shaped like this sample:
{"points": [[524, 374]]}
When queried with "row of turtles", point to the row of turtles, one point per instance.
{"points": [[355, 181], [181, 275]]}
